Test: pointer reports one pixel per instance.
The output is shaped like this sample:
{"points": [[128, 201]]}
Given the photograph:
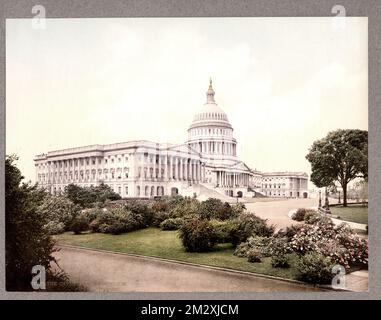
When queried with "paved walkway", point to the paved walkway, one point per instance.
{"points": [[277, 212], [112, 272]]}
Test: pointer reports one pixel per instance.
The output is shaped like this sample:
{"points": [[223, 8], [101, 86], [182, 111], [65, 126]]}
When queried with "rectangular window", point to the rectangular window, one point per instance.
{"points": [[127, 190]]}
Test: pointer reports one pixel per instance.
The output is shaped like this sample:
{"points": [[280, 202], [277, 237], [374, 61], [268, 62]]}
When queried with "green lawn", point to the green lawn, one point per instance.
{"points": [[166, 244], [354, 213]]}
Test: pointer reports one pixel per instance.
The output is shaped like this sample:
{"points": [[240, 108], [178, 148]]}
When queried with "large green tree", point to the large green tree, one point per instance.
{"points": [[340, 157], [27, 242]]}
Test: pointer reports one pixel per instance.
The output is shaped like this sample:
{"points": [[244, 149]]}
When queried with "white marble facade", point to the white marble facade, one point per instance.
{"points": [[206, 163]]}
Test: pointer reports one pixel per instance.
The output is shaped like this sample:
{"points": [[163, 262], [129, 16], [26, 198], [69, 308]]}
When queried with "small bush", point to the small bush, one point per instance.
{"points": [[274, 247], [92, 214], [216, 209], [141, 211], [79, 224], [171, 224], [54, 227], [280, 260], [186, 207], [94, 226], [260, 244], [197, 235], [60, 211], [160, 206], [314, 268], [174, 201], [210, 208], [119, 220], [159, 217], [311, 217], [223, 230], [224, 212], [299, 214], [238, 209], [248, 225], [254, 256]]}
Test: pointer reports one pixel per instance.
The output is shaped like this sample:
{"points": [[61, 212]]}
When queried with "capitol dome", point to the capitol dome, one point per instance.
{"points": [[211, 132], [210, 113]]}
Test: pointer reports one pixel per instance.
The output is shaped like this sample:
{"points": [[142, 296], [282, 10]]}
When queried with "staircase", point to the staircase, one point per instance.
{"points": [[206, 193], [258, 194]]}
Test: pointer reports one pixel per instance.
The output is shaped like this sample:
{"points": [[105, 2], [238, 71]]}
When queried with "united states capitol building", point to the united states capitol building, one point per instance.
{"points": [[206, 165]]}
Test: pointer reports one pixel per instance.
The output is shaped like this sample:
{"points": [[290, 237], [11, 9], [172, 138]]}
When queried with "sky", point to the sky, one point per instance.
{"points": [[283, 82]]}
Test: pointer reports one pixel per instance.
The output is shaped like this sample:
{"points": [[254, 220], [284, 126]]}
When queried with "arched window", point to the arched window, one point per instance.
{"points": [[152, 191]]}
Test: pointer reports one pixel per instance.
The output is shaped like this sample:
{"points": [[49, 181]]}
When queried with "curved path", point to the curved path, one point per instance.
{"points": [[276, 212], [102, 271]]}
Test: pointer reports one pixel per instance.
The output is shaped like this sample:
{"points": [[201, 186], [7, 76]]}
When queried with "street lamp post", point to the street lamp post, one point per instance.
{"points": [[319, 198], [326, 202]]}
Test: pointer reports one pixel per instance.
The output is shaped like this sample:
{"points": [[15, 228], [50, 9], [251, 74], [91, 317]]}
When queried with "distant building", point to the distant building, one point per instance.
{"points": [[206, 163]]}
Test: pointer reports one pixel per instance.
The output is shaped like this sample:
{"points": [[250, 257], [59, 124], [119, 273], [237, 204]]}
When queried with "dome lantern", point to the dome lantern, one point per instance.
{"points": [[210, 93]]}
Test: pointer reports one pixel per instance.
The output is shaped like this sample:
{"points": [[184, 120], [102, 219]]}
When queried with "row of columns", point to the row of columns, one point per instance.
{"points": [[232, 179], [175, 168], [215, 147], [55, 170]]}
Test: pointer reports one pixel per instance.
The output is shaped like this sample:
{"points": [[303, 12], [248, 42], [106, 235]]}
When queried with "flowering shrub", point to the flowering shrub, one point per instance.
{"points": [[339, 243], [274, 247], [257, 243], [315, 268]]}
